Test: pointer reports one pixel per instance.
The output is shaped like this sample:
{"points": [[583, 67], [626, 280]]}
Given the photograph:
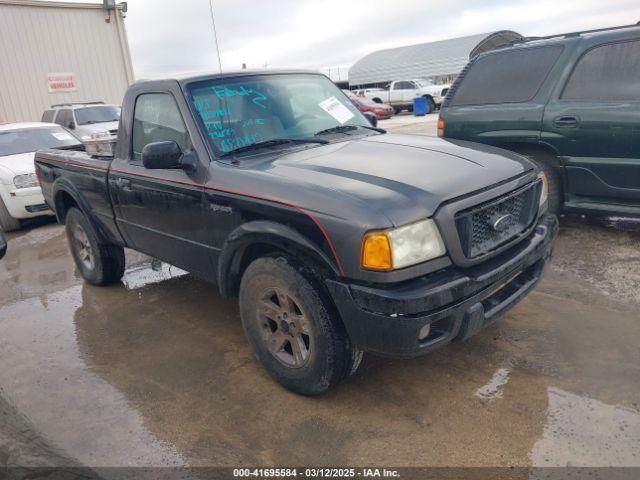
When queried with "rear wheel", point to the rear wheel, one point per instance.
{"points": [[99, 263], [7, 222], [292, 328], [397, 110], [431, 105]]}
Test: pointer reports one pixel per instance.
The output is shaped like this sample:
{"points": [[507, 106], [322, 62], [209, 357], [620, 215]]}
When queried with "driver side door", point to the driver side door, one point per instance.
{"points": [[161, 212]]}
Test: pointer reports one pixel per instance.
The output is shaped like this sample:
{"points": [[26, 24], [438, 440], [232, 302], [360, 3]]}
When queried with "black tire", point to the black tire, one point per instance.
{"points": [[319, 333], [99, 263], [431, 105], [397, 110], [7, 222], [547, 163]]}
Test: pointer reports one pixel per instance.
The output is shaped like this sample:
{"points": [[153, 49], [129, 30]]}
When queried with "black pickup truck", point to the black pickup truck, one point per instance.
{"points": [[336, 236]]}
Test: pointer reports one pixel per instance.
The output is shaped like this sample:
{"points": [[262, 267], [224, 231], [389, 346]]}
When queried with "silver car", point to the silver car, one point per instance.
{"points": [[84, 119]]}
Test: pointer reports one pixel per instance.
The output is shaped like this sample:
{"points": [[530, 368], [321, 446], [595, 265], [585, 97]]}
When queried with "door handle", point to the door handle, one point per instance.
{"points": [[566, 122], [123, 183]]}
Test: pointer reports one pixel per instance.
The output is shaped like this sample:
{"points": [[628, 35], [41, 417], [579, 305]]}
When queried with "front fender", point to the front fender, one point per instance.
{"points": [[263, 232]]}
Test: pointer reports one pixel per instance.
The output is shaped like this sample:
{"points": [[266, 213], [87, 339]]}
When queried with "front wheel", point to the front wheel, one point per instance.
{"points": [[292, 328], [99, 263], [7, 222]]}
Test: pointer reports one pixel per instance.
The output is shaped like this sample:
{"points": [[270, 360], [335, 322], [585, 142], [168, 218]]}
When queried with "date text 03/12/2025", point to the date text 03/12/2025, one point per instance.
{"points": [[315, 473]]}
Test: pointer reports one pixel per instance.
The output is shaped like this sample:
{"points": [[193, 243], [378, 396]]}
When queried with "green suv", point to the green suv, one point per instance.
{"points": [[569, 102]]}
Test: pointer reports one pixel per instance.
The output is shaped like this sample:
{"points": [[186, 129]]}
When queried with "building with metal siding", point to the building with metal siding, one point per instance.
{"points": [[440, 61], [59, 52]]}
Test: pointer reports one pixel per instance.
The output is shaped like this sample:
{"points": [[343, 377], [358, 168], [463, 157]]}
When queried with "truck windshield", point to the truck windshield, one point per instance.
{"points": [[25, 140], [103, 113], [242, 111]]}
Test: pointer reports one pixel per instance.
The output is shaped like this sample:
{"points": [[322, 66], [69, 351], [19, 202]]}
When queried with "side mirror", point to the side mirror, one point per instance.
{"points": [[71, 125], [373, 120], [3, 245], [162, 155]]}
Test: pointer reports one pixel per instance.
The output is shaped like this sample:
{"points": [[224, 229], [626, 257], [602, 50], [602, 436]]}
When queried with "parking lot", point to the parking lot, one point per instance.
{"points": [[156, 371]]}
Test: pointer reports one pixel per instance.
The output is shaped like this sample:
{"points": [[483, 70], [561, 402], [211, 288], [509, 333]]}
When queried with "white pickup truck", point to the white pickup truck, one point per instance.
{"points": [[400, 94]]}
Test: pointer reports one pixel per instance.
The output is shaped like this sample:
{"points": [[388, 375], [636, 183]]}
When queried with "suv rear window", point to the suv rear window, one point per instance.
{"points": [[506, 77], [608, 72]]}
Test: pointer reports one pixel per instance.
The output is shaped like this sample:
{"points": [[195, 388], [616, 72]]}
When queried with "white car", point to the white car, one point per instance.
{"points": [[20, 194]]}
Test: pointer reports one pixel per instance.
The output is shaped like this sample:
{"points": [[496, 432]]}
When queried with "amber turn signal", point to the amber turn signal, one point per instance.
{"points": [[440, 127], [376, 252]]}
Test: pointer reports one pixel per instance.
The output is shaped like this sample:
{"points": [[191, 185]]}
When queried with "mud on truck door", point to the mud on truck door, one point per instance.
{"points": [[161, 211]]}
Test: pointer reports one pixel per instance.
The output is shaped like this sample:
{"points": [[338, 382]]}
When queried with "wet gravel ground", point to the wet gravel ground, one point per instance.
{"points": [[156, 371]]}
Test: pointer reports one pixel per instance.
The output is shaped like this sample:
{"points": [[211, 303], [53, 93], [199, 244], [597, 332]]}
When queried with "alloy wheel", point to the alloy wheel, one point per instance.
{"points": [[285, 328], [82, 246]]}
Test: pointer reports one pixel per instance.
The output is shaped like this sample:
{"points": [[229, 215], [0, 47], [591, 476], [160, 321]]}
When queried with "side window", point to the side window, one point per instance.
{"points": [[157, 119], [64, 117], [403, 86], [609, 72], [47, 116], [510, 76]]}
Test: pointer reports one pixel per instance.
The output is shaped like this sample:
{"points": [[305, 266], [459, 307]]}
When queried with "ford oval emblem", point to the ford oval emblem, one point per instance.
{"points": [[503, 222]]}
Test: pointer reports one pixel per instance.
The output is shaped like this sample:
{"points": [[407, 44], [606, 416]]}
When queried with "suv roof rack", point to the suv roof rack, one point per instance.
{"points": [[75, 103], [565, 35]]}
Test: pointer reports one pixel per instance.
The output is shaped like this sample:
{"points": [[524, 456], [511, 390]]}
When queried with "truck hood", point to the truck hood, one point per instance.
{"points": [[405, 177], [18, 164]]}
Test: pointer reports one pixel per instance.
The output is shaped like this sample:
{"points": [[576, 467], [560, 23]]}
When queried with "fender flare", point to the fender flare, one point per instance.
{"points": [[63, 185], [263, 232]]}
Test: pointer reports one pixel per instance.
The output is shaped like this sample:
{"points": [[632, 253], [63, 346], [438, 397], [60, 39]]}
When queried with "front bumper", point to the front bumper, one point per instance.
{"points": [[25, 203], [456, 303]]}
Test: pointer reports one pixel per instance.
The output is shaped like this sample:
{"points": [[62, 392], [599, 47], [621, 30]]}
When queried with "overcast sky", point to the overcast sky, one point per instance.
{"points": [[171, 36]]}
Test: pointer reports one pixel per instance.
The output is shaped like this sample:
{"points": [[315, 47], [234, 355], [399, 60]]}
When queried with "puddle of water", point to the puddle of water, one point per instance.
{"points": [[45, 377], [144, 275], [583, 432], [495, 388]]}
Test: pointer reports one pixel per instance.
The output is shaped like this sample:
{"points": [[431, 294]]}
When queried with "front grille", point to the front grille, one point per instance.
{"points": [[485, 227]]}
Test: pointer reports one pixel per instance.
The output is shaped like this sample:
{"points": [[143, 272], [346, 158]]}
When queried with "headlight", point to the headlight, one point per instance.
{"points": [[25, 181], [401, 247], [545, 191]]}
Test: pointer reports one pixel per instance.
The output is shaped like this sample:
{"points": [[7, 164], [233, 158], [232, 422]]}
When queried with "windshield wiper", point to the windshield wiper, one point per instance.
{"points": [[375, 129], [347, 128], [271, 143]]}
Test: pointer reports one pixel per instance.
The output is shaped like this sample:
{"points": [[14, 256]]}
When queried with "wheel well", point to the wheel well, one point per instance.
{"points": [[533, 150], [63, 202], [243, 258]]}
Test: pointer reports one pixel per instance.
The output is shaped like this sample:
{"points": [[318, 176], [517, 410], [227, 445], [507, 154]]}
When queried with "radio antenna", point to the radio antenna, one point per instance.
{"points": [[215, 35]]}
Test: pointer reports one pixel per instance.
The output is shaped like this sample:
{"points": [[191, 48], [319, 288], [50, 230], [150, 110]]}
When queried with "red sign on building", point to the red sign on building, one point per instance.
{"points": [[61, 82]]}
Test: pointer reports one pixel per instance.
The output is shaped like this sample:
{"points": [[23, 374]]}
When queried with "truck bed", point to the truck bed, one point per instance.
{"points": [[85, 176]]}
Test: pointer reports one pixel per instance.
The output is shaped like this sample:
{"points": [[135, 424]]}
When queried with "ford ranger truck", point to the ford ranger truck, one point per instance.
{"points": [[336, 237]]}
